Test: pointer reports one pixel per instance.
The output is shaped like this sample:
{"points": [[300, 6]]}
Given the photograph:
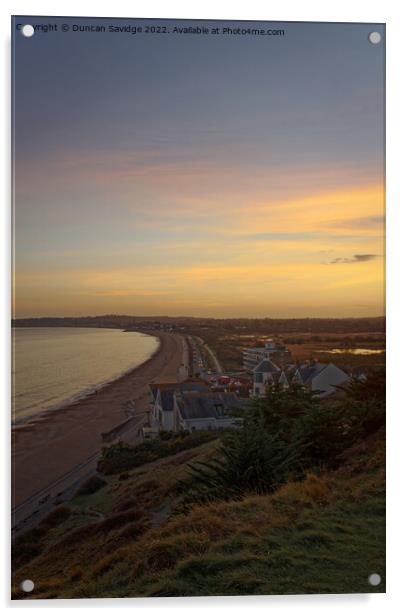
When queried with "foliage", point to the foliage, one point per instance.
{"points": [[91, 485], [366, 402], [294, 505], [372, 387], [287, 431], [122, 457], [327, 427], [280, 410], [57, 516], [267, 544], [249, 460]]}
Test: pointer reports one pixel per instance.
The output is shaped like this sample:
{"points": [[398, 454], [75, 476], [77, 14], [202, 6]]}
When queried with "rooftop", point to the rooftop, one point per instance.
{"points": [[206, 406], [310, 371], [266, 366]]}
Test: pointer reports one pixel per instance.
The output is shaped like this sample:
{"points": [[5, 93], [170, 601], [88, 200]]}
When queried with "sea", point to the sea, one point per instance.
{"points": [[53, 366]]}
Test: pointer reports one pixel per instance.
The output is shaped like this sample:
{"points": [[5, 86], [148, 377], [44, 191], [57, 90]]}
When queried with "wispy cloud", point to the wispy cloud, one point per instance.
{"points": [[354, 259], [364, 222], [184, 251], [278, 236]]}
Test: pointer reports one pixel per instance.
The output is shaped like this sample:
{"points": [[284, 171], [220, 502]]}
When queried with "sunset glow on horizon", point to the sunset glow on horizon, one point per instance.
{"points": [[149, 183]]}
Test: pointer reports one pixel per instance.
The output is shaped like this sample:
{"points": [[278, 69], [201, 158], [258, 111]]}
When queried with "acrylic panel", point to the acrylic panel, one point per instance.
{"points": [[198, 402]]}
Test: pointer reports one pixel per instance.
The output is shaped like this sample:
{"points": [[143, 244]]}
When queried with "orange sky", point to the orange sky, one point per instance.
{"points": [[181, 176], [328, 262]]}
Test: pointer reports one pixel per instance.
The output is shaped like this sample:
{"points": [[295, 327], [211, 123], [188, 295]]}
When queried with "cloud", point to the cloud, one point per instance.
{"points": [[127, 293], [364, 222], [354, 259], [278, 236]]}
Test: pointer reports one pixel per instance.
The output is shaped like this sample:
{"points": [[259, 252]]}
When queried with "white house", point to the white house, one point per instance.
{"points": [[161, 415], [320, 378], [162, 408], [265, 374], [317, 377]]}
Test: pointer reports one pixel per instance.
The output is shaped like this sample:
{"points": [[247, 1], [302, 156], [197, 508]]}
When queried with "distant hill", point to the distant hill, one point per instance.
{"points": [[273, 326]]}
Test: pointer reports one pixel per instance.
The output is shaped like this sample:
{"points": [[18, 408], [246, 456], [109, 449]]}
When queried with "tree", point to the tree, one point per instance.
{"points": [[250, 460]]}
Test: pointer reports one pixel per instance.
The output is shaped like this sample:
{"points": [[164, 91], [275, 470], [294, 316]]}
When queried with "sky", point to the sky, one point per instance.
{"points": [[200, 175]]}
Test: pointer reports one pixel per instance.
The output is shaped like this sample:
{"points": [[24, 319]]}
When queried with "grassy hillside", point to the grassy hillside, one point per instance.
{"points": [[132, 537]]}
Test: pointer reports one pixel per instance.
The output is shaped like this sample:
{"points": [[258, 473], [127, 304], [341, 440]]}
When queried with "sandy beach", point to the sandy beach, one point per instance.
{"points": [[55, 442]]}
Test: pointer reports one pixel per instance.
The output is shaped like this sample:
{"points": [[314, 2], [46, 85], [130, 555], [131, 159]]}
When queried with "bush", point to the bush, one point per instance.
{"points": [[366, 401], [120, 457], [286, 432], [249, 461], [58, 516], [91, 485], [327, 427]]}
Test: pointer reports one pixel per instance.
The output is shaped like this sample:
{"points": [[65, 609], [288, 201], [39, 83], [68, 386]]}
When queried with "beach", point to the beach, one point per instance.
{"points": [[55, 442]]}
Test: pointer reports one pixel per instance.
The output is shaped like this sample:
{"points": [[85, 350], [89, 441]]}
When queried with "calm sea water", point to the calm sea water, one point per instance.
{"points": [[54, 365]]}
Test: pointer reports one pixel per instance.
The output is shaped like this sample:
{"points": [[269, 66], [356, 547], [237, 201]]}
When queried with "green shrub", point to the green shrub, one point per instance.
{"points": [[285, 432], [91, 485], [120, 457], [327, 427], [250, 460], [56, 517]]}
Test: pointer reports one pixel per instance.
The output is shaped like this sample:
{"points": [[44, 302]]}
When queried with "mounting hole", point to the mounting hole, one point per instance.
{"points": [[374, 37], [28, 30], [374, 579], [27, 585]]}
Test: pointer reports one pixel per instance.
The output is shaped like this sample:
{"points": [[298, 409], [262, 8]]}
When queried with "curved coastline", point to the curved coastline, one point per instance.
{"points": [[53, 443], [93, 390]]}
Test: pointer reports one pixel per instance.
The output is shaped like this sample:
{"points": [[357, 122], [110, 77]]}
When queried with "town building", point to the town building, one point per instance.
{"points": [[272, 350], [191, 405], [266, 374], [320, 378], [162, 401], [205, 411]]}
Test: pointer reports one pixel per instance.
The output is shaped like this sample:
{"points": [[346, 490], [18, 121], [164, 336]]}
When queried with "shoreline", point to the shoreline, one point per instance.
{"points": [[54, 442], [84, 393]]}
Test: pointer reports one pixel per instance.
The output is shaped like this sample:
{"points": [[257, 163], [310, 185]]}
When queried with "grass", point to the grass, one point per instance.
{"points": [[330, 549], [321, 535], [76, 538]]}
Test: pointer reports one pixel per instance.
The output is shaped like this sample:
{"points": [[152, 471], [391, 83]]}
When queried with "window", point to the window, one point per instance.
{"points": [[219, 408]]}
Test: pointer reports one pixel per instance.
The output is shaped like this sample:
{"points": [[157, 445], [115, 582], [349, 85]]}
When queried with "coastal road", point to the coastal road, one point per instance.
{"points": [[52, 457], [202, 356], [36, 507], [214, 359]]}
